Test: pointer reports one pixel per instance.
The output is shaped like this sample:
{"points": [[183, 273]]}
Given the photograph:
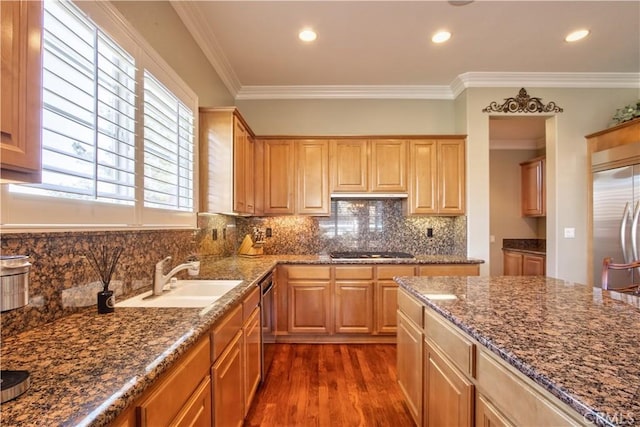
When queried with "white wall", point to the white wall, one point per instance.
{"points": [[585, 111], [161, 27], [348, 117]]}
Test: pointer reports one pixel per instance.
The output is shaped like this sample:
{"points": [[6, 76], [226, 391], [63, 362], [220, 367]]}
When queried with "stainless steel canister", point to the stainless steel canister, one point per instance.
{"points": [[14, 281]]}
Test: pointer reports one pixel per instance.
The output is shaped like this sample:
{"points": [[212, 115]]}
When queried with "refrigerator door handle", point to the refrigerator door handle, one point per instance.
{"points": [[623, 235]]}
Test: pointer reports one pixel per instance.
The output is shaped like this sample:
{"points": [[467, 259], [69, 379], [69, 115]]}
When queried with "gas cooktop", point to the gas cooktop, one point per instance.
{"points": [[370, 255]]}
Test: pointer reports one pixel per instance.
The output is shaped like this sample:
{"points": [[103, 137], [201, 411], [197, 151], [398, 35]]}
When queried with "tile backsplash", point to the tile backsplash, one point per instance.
{"points": [[61, 281], [362, 225]]}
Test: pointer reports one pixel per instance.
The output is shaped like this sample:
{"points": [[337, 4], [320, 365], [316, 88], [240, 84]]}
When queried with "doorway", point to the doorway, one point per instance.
{"points": [[512, 140]]}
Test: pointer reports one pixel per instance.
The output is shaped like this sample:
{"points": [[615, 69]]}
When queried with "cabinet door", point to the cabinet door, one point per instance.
{"points": [[228, 395], [249, 175], [533, 265], [386, 307], [349, 165], [279, 173], [533, 188], [451, 177], [409, 364], [423, 179], [386, 296], [239, 167], [313, 177], [448, 395], [197, 411], [512, 263], [251, 349], [354, 307], [309, 307], [388, 166], [21, 88], [487, 415]]}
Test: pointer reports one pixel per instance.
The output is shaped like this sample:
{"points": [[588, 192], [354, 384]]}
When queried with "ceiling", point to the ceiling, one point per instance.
{"points": [[383, 49]]}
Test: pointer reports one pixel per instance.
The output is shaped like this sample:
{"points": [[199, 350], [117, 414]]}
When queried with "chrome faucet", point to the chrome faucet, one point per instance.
{"points": [[160, 279]]}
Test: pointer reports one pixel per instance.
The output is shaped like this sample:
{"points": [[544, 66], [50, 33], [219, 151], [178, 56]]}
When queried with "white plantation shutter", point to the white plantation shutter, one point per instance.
{"points": [[118, 130], [168, 148], [88, 139]]}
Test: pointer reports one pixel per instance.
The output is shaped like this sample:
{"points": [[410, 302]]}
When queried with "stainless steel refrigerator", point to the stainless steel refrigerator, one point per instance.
{"points": [[616, 212]]}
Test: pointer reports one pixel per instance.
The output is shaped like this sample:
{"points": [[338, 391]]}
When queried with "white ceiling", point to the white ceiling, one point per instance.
{"points": [[382, 49]]}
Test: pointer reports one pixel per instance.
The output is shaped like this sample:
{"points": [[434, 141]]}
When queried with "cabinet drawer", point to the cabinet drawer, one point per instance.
{"points": [[197, 411], [299, 272], [354, 273], [225, 330], [388, 272], [520, 402], [411, 307], [449, 270], [173, 392], [250, 302], [458, 349]]}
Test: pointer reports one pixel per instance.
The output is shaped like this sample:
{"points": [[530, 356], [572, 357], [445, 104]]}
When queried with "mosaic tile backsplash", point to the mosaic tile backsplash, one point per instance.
{"points": [[361, 225]]}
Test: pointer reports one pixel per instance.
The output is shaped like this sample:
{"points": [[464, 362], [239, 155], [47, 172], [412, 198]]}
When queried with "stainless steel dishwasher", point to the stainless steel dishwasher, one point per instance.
{"points": [[268, 322]]}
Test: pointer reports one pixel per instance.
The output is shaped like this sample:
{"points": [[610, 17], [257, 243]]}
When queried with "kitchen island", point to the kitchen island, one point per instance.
{"points": [[87, 368], [577, 345]]}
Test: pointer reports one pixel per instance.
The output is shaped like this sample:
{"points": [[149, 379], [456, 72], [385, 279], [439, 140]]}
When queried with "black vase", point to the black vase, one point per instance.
{"points": [[106, 302]]}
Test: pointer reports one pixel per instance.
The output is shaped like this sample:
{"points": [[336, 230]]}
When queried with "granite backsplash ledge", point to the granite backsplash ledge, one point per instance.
{"points": [[61, 281]]}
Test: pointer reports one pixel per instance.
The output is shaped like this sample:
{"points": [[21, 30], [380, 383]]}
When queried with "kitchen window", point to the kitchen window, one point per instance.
{"points": [[118, 129]]}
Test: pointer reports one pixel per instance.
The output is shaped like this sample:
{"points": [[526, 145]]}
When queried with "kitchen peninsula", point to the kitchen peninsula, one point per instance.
{"points": [[87, 369], [524, 350]]}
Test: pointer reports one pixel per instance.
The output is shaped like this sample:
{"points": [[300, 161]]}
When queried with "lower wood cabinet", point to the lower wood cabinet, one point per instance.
{"points": [[409, 364], [461, 383], [228, 377], [523, 264], [348, 302], [353, 299], [448, 394], [214, 383], [175, 399]]}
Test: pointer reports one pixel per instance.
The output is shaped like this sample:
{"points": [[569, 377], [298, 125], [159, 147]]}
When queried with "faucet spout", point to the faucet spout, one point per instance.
{"points": [[160, 279]]}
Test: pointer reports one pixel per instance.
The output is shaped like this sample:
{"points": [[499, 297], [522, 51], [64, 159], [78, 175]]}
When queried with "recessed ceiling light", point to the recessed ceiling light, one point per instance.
{"points": [[576, 35], [307, 35], [441, 37]]}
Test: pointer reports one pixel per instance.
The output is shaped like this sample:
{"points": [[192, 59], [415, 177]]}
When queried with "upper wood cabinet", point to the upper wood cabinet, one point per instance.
{"points": [[313, 177], [533, 187], [279, 177], [437, 177], [359, 165], [227, 162], [21, 89]]}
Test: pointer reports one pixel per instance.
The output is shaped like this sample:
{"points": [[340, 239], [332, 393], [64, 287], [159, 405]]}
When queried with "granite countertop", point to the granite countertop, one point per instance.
{"points": [[579, 342], [87, 367], [529, 246]]}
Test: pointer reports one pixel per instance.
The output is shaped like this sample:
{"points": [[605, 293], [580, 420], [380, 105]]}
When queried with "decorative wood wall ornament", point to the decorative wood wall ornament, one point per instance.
{"points": [[523, 103]]}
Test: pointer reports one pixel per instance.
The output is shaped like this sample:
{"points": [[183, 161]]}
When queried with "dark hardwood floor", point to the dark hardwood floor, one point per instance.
{"points": [[331, 385]]}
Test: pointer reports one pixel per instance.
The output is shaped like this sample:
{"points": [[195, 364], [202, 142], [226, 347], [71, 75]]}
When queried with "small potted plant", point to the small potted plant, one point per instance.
{"points": [[630, 112]]}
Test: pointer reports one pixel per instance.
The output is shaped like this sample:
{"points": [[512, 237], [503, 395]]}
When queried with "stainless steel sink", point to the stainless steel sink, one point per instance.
{"points": [[184, 293]]}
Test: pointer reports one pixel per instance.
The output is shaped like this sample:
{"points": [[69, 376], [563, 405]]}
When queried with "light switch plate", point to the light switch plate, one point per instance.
{"points": [[569, 233]]}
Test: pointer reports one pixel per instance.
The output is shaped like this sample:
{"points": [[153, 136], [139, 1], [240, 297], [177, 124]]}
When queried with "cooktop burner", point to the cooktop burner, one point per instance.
{"points": [[13, 384], [370, 255]]}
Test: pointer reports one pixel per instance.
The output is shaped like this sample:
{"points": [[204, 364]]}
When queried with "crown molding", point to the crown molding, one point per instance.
{"points": [[554, 80], [345, 92], [208, 43], [194, 19]]}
